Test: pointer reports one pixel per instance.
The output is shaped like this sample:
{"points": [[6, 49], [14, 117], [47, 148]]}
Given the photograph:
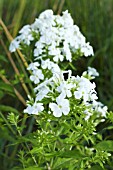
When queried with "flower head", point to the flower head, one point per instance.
{"points": [[53, 39], [85, 89], [60, 107], [37, 76], [35, 109], [57, 36], [91, 73]]}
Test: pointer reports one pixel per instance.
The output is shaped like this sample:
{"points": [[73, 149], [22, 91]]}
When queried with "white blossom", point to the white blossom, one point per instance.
{"points": [[14, 45], [57, 39], [65, 89], [68, 21], [43, 91], [88, 114], [92, 72], [87, 50], [37, 76], [25, 30], [57, 34], [26, 35], [33, 66], [60, 107], [66, 51], [85, 89], [47, 64], [48, 14], [99, 107], [35, 109]]}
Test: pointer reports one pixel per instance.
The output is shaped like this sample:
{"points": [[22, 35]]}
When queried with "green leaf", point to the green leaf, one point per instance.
{"points": [[66, 156], [105, 145], [72, 66], [3, 58], [33, 168], [96, 167], [8, 109], [109, 128], [72, 154], [6, 87], [60, 162], [36, 150]]}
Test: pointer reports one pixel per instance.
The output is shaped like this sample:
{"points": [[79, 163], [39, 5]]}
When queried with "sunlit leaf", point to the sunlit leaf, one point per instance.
{"points": [[105, 145], [8, 109]]}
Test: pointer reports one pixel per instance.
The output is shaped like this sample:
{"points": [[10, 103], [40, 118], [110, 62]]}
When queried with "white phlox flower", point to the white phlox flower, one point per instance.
{"points": [[38, 52], [58, 76], [54, 51], [33, 66], [60, 107], [66, 51], [85, 89], [43, 91], [59, 80], [37, 76], [88, 114], [48, 14], [35, 109], [68, 21], [65, 89], [39, 45], [38, 49], [99, 107], [14, 45], [25, 30], [57, 35], [47, 64], [53, 39], [58, 57], [46, 82], [87, 50], [53, 67], [91, 72], [26, 35]]}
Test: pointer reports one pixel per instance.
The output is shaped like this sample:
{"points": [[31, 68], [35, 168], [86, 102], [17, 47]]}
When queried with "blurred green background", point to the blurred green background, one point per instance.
{"points": [[95, 19]]}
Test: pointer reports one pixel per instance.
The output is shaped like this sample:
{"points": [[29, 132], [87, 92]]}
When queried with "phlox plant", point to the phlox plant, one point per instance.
{"points": [[65, 106]]}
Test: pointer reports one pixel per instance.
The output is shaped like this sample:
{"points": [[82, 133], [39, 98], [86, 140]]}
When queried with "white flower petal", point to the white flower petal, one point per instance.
{"points": [[78, 94], [56, 110], [14, 45], [69, 94], [65, 106], [35, 109]]}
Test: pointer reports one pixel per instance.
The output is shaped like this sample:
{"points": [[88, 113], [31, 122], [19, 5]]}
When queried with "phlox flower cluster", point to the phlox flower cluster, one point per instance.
{"points": [[59, 93], [57, 39]]}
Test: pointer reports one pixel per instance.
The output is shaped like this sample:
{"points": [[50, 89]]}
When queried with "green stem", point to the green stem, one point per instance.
{"points": [[27, 146], [24, 71], [9, 126]]}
